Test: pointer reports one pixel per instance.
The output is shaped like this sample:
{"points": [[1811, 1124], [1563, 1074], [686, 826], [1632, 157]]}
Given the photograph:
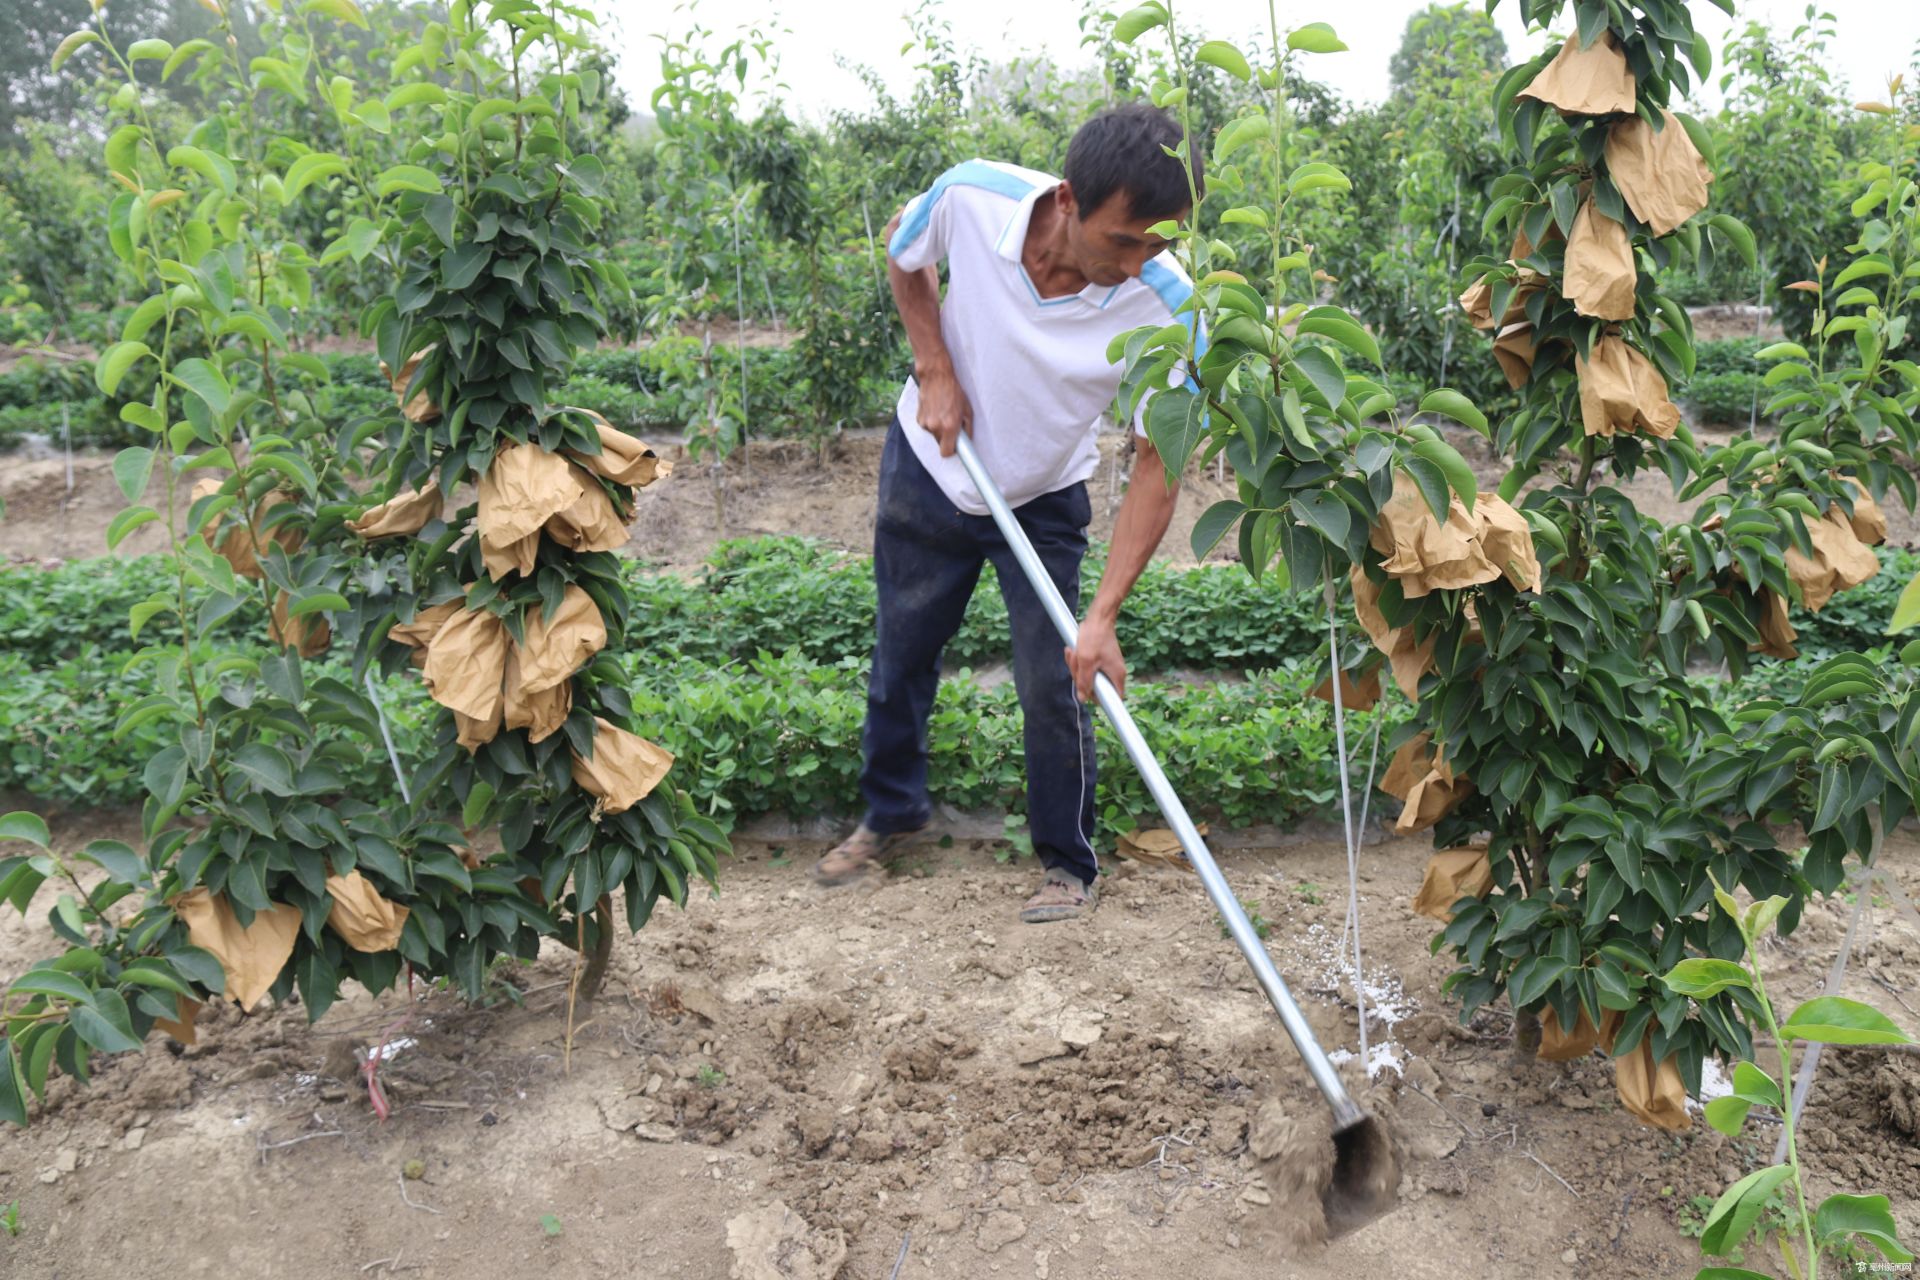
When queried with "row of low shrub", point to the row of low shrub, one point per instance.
{"points": [[781, 594], [769, 733], [781, 733], [776, 594], [1726, 387]]}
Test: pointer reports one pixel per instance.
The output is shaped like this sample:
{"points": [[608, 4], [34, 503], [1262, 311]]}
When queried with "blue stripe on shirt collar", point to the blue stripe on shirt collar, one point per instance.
{"points": [[972, 173]]}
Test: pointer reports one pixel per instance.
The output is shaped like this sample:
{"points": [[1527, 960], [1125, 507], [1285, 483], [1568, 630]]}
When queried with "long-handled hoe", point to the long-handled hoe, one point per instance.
{"points": [[1365, 1175]]}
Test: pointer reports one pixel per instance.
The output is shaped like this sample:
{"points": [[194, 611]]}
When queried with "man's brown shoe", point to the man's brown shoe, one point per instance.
{"points": [[862, 853], [1062, 896]]}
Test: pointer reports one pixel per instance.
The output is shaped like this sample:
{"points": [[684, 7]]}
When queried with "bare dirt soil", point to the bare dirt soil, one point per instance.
{"points": [[780, 487], [783, 487], [824, 1079]]}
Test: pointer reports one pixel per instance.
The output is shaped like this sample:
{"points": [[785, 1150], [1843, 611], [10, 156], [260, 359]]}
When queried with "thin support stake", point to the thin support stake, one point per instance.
{"points": [[386, 735], [1810, 1064], [1366, 801], [1346, 814], [1453, 241], [740, 334]]}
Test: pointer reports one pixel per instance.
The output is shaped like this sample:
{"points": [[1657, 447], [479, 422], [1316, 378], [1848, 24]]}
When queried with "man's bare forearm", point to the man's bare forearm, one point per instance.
{"points": [[916, 294], [1145, 513]]}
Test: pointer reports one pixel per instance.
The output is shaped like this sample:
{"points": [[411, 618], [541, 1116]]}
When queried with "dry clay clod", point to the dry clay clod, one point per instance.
{"points": [[775, 1243]]}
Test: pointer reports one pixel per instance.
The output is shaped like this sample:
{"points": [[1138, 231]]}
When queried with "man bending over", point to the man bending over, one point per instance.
{"points": [[1043, 272]]}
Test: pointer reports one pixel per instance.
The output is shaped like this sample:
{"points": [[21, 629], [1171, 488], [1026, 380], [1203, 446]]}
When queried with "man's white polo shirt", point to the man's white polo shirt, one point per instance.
{"points": [[1034, 369]]}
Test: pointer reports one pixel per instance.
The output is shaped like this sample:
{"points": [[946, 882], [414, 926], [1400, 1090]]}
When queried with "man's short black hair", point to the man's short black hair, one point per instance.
{"points": [[1123, 150]]}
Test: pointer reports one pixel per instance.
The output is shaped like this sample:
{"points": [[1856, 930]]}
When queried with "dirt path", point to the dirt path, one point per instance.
{"points": [[1066, 1103], [784, 488]]}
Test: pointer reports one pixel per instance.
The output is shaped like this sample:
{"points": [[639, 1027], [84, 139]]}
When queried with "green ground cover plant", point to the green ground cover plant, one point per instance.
{"points": [[760, 733]]}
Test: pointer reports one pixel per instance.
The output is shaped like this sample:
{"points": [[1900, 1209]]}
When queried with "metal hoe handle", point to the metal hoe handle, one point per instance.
{"points": [[1345, 1111]]}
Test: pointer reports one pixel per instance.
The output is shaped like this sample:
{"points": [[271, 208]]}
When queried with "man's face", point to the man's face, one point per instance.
{"points": [[1109, 244]]}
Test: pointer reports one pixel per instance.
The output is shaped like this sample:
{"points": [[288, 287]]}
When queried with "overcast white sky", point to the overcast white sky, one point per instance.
{"points": [[1875, 37]]}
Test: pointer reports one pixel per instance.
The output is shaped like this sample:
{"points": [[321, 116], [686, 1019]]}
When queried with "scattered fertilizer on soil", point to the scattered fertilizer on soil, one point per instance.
{"points": [[1329, 958]]}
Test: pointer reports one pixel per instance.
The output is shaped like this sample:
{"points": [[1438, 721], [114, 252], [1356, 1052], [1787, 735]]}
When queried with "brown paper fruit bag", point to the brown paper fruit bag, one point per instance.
{"points": [[1514, 350], [1593, 81], [622, 458], [1477, 302], [1662, 175], [426, 624], [251, 957], [518, 556], [310, 633], [1425, 782], [1156, 846], [557, 647], [1453, 874], [400, 516], [180, 1027], [1424, 554], [1600, 275], [1868, 520], [364, 920], [1506, 539], [240, 543], [591, 522], [467, 664], [541, 713], [1355, 695], [1557, 1045], [1621, 391], [1840, 560], [1408, 658], [524, 488], [624, 770], [1408, 765], [474, 732], [1432, 798], [1651, 1091], [1562, 1046], [421, 408], [1777, 635]]}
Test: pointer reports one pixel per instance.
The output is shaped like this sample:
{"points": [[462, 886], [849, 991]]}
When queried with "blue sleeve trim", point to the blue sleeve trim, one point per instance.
{"points": [[973, 173], [1174, 291]]}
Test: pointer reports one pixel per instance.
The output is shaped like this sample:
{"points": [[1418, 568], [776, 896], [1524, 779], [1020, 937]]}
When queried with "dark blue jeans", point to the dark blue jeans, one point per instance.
{"points": [[926, 561]]}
